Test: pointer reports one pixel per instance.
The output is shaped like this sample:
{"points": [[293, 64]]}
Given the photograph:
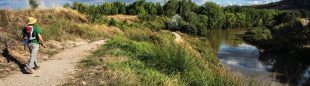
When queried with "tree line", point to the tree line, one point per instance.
{"points": [[278, 26], [195, 20]]}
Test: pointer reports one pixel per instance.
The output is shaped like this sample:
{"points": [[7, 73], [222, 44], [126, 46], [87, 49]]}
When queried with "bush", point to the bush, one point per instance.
{"points": [[258, 34], [189, 29], [112, 22], [147, 17]]}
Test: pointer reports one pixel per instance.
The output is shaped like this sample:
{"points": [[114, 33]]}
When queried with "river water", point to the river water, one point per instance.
{"points": [[246, 60]]}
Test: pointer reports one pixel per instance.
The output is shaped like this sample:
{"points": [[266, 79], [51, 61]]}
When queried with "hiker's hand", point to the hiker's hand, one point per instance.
{"points": [[25, 48], [43, 45]]}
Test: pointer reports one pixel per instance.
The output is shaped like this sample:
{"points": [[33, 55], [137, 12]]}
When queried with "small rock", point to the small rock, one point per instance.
{"points": [[102, 82], [83, 83], [45, 57], [55, 44]]}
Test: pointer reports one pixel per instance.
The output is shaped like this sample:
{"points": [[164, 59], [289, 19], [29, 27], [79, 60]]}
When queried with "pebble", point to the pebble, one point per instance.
{"points": [[83, 83]]}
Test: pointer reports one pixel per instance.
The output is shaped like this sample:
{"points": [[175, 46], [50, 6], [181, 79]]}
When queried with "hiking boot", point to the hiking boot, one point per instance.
{"points": [[28, 70], [36, 68]]}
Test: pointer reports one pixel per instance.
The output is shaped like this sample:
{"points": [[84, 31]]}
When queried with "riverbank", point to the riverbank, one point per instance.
{"points": [[141, 56], [135, 52]]}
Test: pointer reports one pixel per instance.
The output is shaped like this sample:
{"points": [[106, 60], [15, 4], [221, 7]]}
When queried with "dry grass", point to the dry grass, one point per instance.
{"points": [[142, 57], [124, 17], [58, 24], [113, 60]]}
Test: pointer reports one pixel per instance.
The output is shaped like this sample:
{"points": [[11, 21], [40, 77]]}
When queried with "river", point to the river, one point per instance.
{"points": [[247, 61]]}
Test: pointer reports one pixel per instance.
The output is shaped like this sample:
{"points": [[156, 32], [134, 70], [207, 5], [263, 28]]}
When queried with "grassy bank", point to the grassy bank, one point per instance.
{"points": [[143, 57], [138, 53]]}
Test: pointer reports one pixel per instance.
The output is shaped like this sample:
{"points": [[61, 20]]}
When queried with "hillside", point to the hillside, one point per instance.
{"points": [[287, 5], [61, 29]]}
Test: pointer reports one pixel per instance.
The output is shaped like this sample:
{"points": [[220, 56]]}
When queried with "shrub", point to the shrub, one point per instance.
{"points": [[112, 22], [189, 29], [258, 34]]}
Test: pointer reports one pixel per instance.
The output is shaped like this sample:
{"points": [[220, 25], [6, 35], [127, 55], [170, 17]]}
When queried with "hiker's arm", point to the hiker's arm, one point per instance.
{"points": [[23, 34], [41, 40]]}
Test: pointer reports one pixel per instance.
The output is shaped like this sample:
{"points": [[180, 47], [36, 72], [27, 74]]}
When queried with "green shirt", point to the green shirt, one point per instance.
{"points": [[35, 33]]}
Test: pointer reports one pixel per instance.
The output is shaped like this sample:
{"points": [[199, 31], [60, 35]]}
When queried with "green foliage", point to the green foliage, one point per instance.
{"points": [[258, 34], [158, 61], [33, 3], [287, 34], [209, 16], [160, 9], [198, 20], [171, 7], [67, 5], [215, 14], [189, 29], [112, 22], [156, 23]]}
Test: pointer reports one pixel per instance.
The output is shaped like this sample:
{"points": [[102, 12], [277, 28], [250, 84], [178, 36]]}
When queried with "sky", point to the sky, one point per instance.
{"points": [[238, 2], [20, 4]]}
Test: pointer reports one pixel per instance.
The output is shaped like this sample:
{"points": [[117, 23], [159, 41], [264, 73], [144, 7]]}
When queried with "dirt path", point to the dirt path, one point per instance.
{"points": [[53, 72], [178, 37]]}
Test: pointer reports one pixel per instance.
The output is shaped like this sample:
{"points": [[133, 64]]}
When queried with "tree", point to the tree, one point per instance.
{"points": [[33, 3], [150, 8], [121, 7], [137, 7], [67, 5], [141, 11], [114, 9], [80, 7], [215, 14], [184, 9], [107, 7], [241, 20], [230, 20], [189, 29], [160, 9], [171, 7]]}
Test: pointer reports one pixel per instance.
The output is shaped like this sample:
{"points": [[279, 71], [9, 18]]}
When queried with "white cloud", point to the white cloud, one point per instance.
{"points": [[200, 2], [256, 2]]}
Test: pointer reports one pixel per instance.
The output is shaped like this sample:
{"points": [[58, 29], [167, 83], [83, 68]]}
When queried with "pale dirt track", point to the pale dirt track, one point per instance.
{"points": [[53, 72], [178, 37]]}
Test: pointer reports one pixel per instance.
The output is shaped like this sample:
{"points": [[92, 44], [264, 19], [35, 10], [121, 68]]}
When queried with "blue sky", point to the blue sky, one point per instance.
{"points": [[20, 4], [239, 2]]}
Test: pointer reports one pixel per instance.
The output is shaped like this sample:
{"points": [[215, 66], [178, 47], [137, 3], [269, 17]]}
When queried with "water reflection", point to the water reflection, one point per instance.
{"points": [[245, 59], [293, 68]]}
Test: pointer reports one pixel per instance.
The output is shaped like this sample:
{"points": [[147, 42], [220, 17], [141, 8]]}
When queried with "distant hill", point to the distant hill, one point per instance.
{"points": [[287, 5]]}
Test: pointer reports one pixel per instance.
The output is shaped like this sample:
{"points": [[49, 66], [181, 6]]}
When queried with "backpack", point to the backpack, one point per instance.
{"points": [[28, 36]]}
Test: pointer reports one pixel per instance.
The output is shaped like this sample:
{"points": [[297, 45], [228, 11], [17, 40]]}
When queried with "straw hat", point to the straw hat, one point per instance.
{"points": [[31, 20]]}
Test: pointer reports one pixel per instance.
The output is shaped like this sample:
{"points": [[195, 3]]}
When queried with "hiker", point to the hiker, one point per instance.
{"points": [[32, 39]]}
